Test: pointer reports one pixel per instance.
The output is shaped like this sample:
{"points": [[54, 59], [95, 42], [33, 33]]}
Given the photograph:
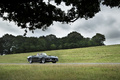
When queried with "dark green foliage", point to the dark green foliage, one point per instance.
{"points": [[98, 39], [1, 46], [74, 37], [10, 44], [53, 46], [38, 14]]}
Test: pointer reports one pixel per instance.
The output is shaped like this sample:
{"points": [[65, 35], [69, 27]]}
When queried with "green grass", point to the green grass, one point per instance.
{"points": [[59, 72], [104, 54]]}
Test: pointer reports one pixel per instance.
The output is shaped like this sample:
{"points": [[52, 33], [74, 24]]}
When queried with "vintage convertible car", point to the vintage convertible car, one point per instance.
{"points": [[42, 58]]}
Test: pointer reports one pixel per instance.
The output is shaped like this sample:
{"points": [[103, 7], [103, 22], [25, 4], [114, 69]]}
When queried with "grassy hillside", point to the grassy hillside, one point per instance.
{"points": [[105, 54], [109, 54]]}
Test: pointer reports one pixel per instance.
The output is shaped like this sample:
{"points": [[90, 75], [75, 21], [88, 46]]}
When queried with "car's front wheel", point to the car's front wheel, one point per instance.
{"points": [[43, 60], [30, 60]]}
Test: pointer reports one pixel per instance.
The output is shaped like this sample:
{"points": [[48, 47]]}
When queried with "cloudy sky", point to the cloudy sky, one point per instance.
{"points": [[106, 22]]}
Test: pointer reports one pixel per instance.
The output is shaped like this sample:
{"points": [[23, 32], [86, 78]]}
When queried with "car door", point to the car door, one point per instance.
{"points": [[35, 58]]}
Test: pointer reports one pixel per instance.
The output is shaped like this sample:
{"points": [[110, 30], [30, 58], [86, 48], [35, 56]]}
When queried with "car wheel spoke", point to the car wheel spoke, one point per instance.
{"points": [[30, 60], [43, 60]]}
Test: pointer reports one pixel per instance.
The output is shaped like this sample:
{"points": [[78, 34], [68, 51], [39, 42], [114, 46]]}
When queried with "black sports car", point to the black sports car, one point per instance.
{"points": [[42, 58]]}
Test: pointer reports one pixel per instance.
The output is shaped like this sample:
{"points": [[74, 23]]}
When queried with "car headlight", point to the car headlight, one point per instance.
{"points": [[28, 56]]}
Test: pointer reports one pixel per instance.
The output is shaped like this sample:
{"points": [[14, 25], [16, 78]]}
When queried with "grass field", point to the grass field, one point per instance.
{"points": [[104, 54], [59, 72]]}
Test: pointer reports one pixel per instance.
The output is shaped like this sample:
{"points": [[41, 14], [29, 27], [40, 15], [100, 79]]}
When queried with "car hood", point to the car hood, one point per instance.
{"points": [[53, 56]]}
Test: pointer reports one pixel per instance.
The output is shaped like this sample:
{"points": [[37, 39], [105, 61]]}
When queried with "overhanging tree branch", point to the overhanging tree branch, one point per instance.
{"points": [[38, 14]]}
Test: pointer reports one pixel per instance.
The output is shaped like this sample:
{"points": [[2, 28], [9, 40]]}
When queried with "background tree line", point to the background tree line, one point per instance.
{"points": [[10, 44]]}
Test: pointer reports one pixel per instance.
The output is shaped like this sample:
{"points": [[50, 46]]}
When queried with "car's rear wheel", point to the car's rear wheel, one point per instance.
{"points": [[30, 60], [43, 60], [55, 60]]}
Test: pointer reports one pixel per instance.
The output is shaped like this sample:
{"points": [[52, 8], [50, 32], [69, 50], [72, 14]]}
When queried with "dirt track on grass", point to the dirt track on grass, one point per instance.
{"points": [[59, 63]]}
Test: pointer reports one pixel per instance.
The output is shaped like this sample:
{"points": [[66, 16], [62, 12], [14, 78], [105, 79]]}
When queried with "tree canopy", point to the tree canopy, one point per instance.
{"points": [[40, 14]]}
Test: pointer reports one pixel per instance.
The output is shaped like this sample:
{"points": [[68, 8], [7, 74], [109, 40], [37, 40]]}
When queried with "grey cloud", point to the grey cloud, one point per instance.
{"points": [[10, 28], [113, 34], [63, 26], [112, 41], [93, 24]]}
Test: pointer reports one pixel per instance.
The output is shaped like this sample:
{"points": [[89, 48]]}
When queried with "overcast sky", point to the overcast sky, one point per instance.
{"points": [[106, 22]]}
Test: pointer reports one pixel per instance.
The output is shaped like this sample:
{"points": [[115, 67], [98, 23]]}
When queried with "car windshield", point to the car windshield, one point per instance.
{"points": [[44, 54]]}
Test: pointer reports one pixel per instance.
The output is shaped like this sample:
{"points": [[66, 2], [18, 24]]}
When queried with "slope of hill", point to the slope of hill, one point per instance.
{"points": [[101, 54]]}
